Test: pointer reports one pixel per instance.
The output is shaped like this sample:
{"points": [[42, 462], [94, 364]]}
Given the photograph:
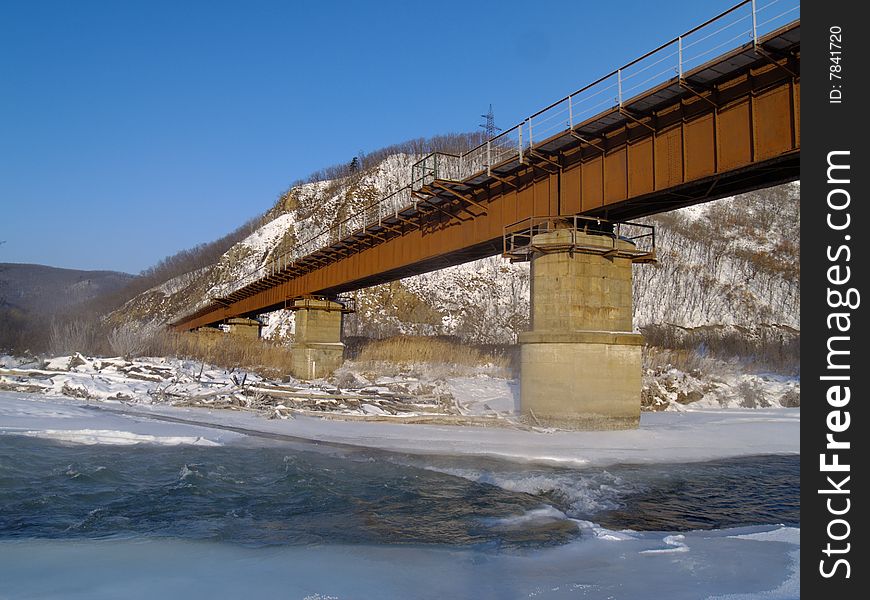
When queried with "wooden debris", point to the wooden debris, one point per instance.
{"points": [[22, 387]]}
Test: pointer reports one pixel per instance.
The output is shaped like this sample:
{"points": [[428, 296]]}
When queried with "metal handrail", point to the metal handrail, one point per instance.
{"points": [[344, 304], [521, 239]]}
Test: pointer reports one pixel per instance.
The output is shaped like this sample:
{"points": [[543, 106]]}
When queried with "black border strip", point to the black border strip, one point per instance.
{"points": [[833, 221]]}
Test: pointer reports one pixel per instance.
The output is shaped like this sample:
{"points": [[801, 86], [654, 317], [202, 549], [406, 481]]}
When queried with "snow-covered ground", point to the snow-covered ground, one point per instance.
{"points": [[74, 421], [361, 390], [662, 437], [65, 397]]}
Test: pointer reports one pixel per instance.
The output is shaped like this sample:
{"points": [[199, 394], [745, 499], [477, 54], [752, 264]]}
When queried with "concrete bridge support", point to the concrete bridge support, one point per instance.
{"points": [[580, 363], [317, 350], [245, 328]]}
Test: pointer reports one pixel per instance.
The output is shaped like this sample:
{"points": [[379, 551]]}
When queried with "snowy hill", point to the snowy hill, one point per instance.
{"points": [[729, 262]]}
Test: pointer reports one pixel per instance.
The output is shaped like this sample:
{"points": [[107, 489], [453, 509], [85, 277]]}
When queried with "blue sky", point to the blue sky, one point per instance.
{"points": [[131, 130]]}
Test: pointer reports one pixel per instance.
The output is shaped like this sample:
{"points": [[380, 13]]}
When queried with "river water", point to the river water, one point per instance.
{"points": [[279, 494], [266, 497]]}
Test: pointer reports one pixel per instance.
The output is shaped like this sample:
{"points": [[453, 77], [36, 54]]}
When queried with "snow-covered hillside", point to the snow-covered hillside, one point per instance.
{"points": [[735, 261], [728, 262], [300, 214]]}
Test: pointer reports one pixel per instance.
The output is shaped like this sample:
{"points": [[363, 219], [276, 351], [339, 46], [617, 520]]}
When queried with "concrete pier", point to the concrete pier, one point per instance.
{"points": [[246, 328], [317, 349], [581, 362]]}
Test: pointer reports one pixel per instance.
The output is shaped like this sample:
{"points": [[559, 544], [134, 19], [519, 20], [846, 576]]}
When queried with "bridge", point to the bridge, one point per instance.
{"points": [[712, 113]]}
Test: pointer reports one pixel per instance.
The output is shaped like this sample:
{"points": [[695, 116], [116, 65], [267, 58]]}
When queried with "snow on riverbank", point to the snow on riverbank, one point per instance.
{"points": [[361, 391], [722, 386], [662, 437], [73, 421], [68, 393]]}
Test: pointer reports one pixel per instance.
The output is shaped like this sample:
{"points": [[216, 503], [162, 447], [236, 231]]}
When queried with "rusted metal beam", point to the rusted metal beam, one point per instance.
{"points": [[546, 159], [686, 86], [625, 113], [438, 208], [582, 139], [763, 52], [392, 228], [504, 181], [414, 224], [461, 196]]}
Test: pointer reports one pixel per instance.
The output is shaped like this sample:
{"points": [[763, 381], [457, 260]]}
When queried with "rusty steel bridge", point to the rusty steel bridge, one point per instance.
{"points": [[712, 113]]}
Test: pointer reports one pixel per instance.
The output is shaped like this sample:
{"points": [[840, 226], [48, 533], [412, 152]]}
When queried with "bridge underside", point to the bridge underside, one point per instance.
{"points": [[729, 126]]}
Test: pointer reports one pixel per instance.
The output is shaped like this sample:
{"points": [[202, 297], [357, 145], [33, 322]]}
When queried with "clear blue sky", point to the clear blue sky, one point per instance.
{"points": [[131, 130]]}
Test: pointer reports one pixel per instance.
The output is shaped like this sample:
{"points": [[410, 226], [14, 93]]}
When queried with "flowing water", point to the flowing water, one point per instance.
{"points": [[270, 494]]}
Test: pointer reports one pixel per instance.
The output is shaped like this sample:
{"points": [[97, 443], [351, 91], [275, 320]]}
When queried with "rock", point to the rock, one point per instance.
{"points": [[58, 363], [75, 392], [76, 360], [689, 397], [348, 380], [791, 398]]}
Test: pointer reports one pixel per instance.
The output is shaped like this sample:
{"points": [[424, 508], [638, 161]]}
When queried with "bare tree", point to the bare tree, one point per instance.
{"points": [[73, 335], [127, 340]]}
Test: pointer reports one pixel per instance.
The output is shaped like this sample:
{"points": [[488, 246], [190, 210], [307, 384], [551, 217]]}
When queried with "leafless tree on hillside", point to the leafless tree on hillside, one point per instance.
{"points": [[74, 335], [127, 340]]}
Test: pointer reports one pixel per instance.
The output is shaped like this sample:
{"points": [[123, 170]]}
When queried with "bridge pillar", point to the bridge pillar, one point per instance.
{"points": [[317, 349], [580, 363], [246, 328]]}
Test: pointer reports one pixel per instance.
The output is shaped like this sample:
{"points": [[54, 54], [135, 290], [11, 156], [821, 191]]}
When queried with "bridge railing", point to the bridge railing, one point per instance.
{"points": [[438, 165], [501, 148], [575, 233], [740, 25]]}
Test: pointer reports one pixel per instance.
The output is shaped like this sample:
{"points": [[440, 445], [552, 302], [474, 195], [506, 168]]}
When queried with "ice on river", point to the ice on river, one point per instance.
{"points": [[732, 563], [726, 564]]}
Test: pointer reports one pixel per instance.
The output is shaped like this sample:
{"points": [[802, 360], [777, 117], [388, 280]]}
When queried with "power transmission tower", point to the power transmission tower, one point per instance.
{"points": [[489, 127]]}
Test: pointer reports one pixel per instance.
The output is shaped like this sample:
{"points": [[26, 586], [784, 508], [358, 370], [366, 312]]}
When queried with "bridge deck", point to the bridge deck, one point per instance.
{"points": [[727, 126]]}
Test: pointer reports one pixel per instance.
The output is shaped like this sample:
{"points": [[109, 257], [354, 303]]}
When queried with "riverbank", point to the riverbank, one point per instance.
{"points": [[662, 437]]}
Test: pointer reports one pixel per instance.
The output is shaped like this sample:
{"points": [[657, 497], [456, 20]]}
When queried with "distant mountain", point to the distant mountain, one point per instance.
{"points": [[38, 289]]}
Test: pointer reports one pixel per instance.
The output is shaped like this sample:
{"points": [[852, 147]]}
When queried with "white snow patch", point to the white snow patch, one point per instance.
{"points": [[790, 589], [71, 420], [278, 325], [535, 516], [674, 543], [789, 535], [114, 438], [695, 212], [602, 533], [269, 235], [181, 282], [482, 395]]}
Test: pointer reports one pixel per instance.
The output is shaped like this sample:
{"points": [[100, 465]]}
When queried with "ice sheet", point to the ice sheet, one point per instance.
{"points": [[599, 565], [662, 437]]}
